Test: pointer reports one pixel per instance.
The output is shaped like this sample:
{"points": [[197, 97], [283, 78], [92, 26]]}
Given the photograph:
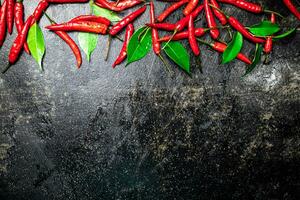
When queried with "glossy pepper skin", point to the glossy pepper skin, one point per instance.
{"points": [[19, 42], [220, 47], [292, 8], [122, 5], [67, 1], [269, 41], [92, 18], [183, 35], [192, 38], [190, 7], [155, 36], [245, 5], [3, 22], [39, 10], [170, 10], [211, 20], [10, 15], [127, 20], [19, 14], [241, 28], [123, 53], [84, 26], [219, 15]]}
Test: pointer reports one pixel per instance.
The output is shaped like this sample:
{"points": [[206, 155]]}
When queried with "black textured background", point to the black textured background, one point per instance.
{"points": [[139, 133]]}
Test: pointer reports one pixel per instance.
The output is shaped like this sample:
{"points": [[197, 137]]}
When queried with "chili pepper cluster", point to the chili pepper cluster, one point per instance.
{"points": [[12, 12]]}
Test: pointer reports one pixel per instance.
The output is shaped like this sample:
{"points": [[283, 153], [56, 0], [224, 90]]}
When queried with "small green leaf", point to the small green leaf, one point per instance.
{"points": [[139, 45], [178, 54], [88, 43], [108, 14], [233, 48], [284, 34], [36, 43], [256, 60], [265, 28]]}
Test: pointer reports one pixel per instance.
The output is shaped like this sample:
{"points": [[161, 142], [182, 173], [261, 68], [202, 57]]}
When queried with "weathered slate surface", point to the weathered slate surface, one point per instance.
{"points": [[138, 133]]}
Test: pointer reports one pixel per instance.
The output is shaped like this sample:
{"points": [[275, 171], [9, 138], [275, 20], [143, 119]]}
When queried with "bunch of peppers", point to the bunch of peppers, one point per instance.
{"points": [[12, 11]]}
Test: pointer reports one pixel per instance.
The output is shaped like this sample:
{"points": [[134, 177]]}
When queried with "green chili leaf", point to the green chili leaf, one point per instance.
{"points": [[88, 43], [233, 48], [265, 28], [139, 45], [276, 37], [36, 44], [108, 14], [178, 54], [256, 60]]}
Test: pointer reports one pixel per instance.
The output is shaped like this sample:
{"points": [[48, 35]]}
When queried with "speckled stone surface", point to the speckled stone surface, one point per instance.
{"points": [[139, 133]]}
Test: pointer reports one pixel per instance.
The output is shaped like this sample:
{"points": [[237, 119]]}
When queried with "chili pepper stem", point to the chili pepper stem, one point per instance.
{"points": [[203, 42], [169, 39], [273, 12], [6, 68], [119, 38], [49, 18], [165, 64], [108, 48], [214, 7]]}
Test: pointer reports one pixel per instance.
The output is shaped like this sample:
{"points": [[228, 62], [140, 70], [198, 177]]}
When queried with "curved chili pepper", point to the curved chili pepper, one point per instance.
{"points": [[292, 8], [183, 35], [240, 28], [220, 47], [19, 14], [67, 1], [84, 26], [127, 20], [10, 15], [190, 7], [3, 22], [92, 18], [16, 48], [269, 41], [155, 36], [245, 5], [219, 15], [170, 10], [118, 7], [211, 21], [192, 37], [39, 10], [123, 53]]}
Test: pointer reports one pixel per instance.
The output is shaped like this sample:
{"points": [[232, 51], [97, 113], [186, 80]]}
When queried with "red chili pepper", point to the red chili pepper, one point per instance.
{"points": [[39, 10], [245, 5], [123, 53], [292, 8], [211, 20], [155, 36], [183, 35], [269, 41], [127, 20], [10, 15], [220, 47], [92, 18], [240, 28], [170, 10], [67, 1], [163, 26], [3, 22], [19, 14], [118, 7], [84, 26], [192, 38], [221, 17], [190, 7], [19, 42]]}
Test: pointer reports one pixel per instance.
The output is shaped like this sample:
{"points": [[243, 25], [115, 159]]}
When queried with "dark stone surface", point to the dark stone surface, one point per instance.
{"points": [[137, 133]]}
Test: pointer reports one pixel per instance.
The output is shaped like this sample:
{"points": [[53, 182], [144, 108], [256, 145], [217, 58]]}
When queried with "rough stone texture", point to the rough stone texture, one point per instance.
{"points": [[138, 133]]}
